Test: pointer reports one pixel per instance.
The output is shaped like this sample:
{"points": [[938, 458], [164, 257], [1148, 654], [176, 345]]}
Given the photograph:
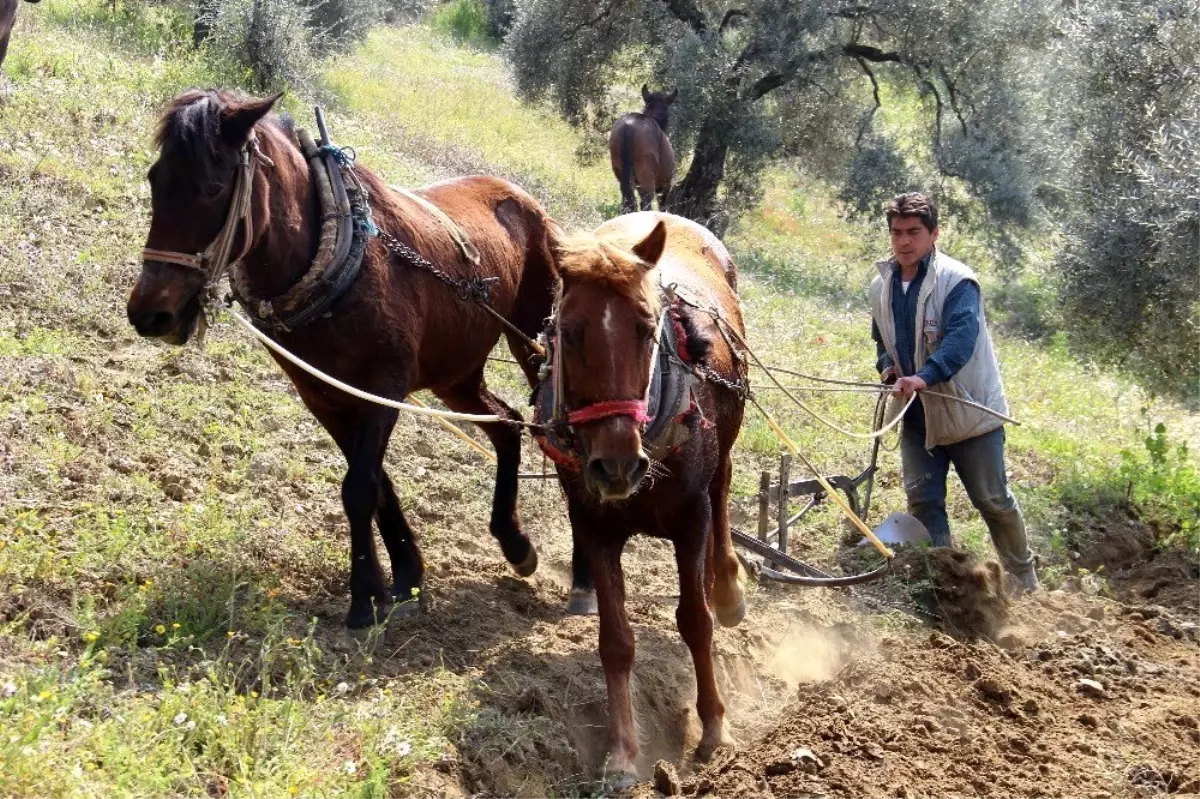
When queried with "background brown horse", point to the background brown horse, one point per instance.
{"points": [[641, 153], [607, 314], [8, 17], [397, 329]]}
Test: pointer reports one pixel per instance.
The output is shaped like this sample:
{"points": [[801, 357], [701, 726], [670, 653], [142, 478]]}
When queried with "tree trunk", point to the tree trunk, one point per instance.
{"points": [[206, 13], [695, 197]]}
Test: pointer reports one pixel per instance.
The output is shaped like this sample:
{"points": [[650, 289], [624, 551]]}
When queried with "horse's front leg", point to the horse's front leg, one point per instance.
{"points": [[690, 536], [370, 601], [617, 648], [472, 396], [408, 567]]}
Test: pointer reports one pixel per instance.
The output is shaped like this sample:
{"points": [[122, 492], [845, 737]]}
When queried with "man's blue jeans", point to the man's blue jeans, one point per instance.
{"points": [[979, 462]]}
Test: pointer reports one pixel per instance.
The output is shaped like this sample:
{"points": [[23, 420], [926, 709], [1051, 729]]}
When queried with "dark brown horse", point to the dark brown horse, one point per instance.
{"points": [[641, 153], [396, 329], [610, 314], [8, 17]]}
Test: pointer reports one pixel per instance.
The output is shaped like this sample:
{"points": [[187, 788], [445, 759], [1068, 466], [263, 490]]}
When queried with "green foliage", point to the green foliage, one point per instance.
{"points": [[268, 39], [278, 44], [1133, 217], [1163, 485], [465, 20]]}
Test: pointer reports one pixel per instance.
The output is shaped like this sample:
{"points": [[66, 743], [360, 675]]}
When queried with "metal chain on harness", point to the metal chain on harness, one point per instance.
{"points": [[475, 289], [740, 386]]}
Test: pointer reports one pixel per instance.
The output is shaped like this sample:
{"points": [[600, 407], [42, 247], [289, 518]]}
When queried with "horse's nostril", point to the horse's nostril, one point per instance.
{"points": [[153, 323], [608, 470], [599, 469]]}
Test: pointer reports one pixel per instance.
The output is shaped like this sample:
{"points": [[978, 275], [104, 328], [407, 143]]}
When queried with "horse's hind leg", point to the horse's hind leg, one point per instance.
{"points": [[647, 197], [728, 600], [472, 396], [696, 626], [628, 201]]}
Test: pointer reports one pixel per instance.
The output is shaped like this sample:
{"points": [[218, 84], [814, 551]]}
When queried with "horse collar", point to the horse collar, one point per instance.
{"points": [[346, 225]]}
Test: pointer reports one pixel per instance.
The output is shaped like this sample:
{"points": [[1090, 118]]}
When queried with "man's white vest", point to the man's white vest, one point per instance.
{"points": [[946, 421]]}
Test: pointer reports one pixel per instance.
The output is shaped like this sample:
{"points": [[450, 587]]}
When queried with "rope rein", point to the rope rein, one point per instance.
{"points": [[420, 410]]}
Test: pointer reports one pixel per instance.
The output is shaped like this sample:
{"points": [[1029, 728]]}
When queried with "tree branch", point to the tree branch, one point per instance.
{"points": [[866, 123], [687, 12], [589, 23], [852, 12], [773, 80], [873, 54], [953, 91], [730, 16]]}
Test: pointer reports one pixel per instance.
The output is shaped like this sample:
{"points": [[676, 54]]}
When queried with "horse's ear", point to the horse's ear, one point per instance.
{"points": [[237, 121], [650, 249], [645, 92], [673, 96]]}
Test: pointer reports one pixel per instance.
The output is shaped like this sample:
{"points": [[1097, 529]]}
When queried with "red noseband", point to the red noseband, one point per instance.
{"points": [[604, 410]]}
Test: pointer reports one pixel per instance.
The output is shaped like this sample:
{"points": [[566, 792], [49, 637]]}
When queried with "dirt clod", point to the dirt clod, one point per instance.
{"points": [[666, 779]]}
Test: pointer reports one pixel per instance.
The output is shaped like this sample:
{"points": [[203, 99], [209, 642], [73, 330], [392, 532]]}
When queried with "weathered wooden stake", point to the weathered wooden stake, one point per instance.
{"points": [[764, 504], [785, 463]]}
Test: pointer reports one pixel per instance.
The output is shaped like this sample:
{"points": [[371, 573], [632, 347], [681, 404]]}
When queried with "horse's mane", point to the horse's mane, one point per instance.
{"points": [[191, 126], [191, 123], [610, 262]]}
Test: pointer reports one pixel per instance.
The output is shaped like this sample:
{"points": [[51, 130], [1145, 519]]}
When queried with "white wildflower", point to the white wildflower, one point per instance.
{"points": [[350, 767], [181, 718]]}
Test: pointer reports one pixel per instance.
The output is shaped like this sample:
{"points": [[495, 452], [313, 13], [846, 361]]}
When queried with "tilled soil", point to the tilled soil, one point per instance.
{"points": [[1078, 697]]}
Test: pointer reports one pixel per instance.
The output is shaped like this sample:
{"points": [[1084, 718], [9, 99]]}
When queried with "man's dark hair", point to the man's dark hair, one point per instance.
{"points": [[914, 203]]}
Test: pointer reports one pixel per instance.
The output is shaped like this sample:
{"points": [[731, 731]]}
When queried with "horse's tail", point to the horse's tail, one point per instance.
{"points": [[626, 177]]}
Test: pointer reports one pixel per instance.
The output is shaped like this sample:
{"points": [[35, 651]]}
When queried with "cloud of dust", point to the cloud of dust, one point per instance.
{"points": [[810, 655]]}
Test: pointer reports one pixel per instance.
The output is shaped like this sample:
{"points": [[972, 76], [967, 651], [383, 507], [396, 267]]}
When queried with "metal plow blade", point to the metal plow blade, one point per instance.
{"points": [[900, 528]]}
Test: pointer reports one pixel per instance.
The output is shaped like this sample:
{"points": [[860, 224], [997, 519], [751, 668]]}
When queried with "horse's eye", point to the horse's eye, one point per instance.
{"points": [[644, 333], [212, 191], [571, 336]]}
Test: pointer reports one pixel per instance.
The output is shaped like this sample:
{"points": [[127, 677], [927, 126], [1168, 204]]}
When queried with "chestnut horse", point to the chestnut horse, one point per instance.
{"points": [[8, 18], [609, 316], [395, 330], [641, 153]]}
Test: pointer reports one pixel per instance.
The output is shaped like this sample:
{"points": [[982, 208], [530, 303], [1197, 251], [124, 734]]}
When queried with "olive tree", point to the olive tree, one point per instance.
{"points": [[761, 78], [1130, 265]]}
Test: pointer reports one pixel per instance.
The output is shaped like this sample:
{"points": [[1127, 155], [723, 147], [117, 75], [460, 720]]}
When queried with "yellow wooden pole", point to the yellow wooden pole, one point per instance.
{"points": [[454, 429]]}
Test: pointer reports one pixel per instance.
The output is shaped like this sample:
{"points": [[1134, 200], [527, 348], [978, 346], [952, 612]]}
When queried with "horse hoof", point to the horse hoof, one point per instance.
{"points": [[361, 618], [582, 603], [731, 615], [411, 607], [527, 567], [709, 744], [621, 781]]}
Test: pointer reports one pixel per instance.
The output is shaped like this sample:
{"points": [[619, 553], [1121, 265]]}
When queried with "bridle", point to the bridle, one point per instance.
{"points": [[214, 261], [607, 409]]}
